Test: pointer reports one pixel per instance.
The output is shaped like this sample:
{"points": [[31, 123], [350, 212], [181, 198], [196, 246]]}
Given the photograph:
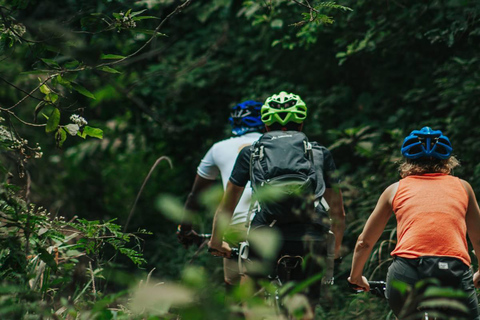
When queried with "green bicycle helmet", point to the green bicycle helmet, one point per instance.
{"points": [[283, 108]]}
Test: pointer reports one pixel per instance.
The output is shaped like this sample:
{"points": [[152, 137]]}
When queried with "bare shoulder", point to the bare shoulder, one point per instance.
{"points": [[391, 191], [465, 183], [393, 187], [467, 186]]}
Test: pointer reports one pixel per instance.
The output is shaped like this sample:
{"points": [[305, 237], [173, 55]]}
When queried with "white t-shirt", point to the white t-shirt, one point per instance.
{"points": [[220, 159]]}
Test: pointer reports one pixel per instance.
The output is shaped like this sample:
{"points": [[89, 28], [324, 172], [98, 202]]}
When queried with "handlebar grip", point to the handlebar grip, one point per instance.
{"points": [[233, 252]]}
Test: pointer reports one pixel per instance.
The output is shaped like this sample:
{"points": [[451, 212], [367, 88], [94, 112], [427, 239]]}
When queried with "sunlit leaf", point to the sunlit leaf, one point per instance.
{"points": [[60, 137], [90, 132], [51, 97], [53, 121], [45, 89]]}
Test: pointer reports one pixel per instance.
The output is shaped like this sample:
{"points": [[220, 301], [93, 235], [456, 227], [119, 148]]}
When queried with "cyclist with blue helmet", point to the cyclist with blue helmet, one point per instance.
{"points": [[219, 160], [434, 212]]}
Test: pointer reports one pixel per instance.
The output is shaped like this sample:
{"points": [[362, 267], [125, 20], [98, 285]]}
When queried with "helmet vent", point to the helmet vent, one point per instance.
{"points": [[283, 115]]}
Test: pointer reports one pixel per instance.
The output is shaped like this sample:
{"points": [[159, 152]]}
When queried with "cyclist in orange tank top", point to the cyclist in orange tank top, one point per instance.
{"points": [[434, 212]]}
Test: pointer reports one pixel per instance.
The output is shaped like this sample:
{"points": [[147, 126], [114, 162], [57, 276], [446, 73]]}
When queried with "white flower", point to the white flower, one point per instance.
{"points": [[80, 121]]}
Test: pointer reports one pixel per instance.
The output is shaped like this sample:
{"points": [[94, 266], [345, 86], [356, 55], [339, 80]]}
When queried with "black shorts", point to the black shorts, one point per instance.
{"points": [[311, 250], [451, 272]]}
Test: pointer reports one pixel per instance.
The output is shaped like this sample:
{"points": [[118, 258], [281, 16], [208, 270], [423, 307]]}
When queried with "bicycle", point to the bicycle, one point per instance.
{"points": [[287, 280]]}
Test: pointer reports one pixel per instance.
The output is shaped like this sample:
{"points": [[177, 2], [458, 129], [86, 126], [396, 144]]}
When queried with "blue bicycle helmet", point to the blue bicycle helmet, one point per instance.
{"points": [[245, 117], [426, 143]]}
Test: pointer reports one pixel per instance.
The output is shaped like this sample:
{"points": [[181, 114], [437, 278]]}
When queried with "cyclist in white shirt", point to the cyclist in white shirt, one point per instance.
{"points": [[219, 160]]}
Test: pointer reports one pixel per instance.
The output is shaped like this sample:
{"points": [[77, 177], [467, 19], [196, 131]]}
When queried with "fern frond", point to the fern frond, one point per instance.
{"points": [[332, 5], [324, 19]]}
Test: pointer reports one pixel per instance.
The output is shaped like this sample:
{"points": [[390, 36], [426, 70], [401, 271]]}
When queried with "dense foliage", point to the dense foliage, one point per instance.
{"points": [[155, 78]]}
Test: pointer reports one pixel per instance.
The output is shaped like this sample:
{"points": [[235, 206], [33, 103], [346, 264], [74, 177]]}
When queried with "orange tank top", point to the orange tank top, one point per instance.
{"points": [[430, 211]]}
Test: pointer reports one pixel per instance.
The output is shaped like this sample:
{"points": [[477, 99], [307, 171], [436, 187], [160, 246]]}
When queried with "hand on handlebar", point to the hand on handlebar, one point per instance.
{"points": [[359, 283], [222, 250], [187, 236]]}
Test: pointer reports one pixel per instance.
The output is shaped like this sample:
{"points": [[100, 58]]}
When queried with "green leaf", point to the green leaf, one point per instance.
{"points": [[111, 57], [82, 90], [64, 82], [144, 18], [108, 69], [91, 132], [51, 97], [45, 89], [60, 137], [47, 258], [50, 62], [136, 13], [53, 121], [72, 64]]}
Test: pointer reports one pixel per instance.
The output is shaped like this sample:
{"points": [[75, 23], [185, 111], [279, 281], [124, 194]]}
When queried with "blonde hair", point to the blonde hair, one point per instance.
{"points": [[427, 165]]}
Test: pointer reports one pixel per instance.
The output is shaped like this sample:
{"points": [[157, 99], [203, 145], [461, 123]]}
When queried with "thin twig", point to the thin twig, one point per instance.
{"points": [[34, 90], [22, 121], [93, 281], [143, 186], [177, 10], [19, 89], [200, 249]]}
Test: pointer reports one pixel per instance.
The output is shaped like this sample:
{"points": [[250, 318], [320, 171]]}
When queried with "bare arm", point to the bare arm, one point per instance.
{"points": [[223, 216], [473, 226], [185, 234], [337, 214], [199, 185], [371, 233]]}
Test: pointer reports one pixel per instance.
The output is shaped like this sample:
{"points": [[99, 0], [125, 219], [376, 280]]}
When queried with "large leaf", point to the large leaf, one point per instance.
{"points": [[91, 132], [53, 121], [82, 90]]}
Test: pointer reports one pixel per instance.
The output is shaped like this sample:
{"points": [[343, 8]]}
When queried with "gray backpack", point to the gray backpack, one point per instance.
{"points": [[283, 178]]}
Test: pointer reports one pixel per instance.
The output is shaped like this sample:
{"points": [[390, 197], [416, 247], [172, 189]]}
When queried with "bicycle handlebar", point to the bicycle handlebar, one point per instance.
{"points": [[233, 253], [377, 288]]}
